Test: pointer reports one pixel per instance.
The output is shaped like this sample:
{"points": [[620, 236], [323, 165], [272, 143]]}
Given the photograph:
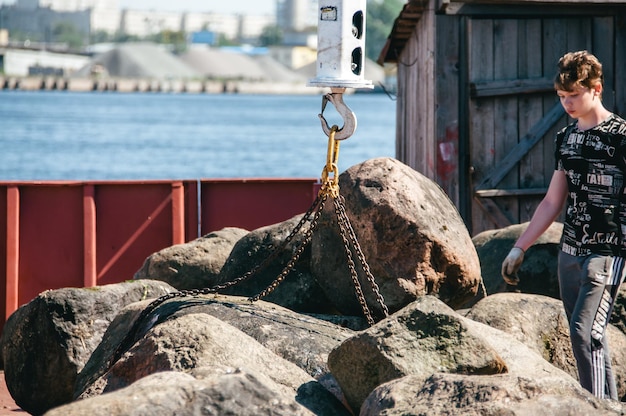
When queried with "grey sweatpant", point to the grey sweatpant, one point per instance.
{"points": [[588, 287]]}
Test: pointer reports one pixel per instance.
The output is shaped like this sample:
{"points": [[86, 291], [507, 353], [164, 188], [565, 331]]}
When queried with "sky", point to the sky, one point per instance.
{"points": [[249, 7]]}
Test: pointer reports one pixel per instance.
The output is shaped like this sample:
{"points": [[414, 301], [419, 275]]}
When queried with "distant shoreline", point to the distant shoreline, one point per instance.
{"points": [[128, 85]]}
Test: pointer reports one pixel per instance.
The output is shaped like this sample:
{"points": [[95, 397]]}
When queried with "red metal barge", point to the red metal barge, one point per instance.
{"points": [[91, 233]]}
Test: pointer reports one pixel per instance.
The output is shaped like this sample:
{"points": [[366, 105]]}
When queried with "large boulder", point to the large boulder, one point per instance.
{"points": [[505, 394], [531, 386], [540, 323], [226, 391], [412, 237], [180, 337], [618, 317], [302, 340], [425, 337], [537, 321], [46, 342], [193, 265]]}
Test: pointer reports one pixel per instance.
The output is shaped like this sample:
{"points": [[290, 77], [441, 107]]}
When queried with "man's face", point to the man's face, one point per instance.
{"points": [[580, 101]]}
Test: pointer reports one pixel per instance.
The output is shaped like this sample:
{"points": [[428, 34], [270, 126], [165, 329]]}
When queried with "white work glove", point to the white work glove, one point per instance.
{"points": [[511, 265]]}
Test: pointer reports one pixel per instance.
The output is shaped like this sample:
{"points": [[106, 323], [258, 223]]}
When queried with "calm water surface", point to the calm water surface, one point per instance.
{"points": [[102, 136]]}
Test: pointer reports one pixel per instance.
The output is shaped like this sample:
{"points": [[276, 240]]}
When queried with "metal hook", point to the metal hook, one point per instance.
{"points": [[349, 119]]}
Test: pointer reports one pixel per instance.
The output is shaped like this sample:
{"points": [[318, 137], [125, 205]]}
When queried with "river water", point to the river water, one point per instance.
{"points": [[56, 135]]}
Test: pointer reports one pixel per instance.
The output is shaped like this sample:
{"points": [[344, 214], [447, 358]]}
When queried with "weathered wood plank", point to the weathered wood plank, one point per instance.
{"points": [[603, 29], [620, 56], [403, 25], [554, 46], [447, 106], [481, 116], [493, 193], [507, 45], [424, 125], [579, 34], [414, 151], [531, 172], [402, 100], [511, 87], [416, 69]]}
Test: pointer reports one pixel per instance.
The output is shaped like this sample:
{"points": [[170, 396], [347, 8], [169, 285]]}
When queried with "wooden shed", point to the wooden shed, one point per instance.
{"points": [[476, 108]]}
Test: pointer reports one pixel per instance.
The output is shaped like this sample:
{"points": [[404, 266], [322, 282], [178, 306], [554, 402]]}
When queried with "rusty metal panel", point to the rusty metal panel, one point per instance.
{"points": [[50, 239], [3, 253], [76, 234], [253, 203], [133, 220], [192, 210]]}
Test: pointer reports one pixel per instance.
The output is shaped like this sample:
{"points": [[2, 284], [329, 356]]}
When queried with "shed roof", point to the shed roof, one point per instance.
{"points": [[404, 25], [401, 31]]}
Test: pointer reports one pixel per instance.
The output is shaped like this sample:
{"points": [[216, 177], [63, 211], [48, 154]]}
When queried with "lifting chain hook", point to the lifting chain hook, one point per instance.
{"points": [[330, 184], [349, 119]]}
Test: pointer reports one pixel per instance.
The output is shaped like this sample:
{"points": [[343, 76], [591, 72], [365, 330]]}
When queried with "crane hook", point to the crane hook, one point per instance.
{"points": [[349, 119]]}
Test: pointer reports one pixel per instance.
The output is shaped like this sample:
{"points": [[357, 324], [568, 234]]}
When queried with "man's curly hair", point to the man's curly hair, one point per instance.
{"points": [[578, 69]]}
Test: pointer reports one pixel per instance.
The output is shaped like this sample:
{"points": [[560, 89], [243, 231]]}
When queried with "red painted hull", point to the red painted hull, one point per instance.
{"points": [[82, 234]]}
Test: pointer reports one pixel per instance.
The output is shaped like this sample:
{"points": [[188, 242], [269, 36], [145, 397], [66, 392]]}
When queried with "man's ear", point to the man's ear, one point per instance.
{"points": [[597, 89]]}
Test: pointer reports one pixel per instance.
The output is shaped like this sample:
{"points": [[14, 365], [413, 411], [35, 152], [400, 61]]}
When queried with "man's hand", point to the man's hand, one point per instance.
{"points": [[511, 265]]}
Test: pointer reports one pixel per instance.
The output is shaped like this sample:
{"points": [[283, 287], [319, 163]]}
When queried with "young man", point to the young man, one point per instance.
{"points": [[589, 176]]}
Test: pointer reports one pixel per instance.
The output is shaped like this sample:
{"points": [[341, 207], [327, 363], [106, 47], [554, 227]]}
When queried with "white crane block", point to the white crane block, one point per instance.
{"points": [[341, 45]]}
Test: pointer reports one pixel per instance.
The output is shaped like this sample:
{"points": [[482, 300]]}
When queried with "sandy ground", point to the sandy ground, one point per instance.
{"points": [[7, 405]]}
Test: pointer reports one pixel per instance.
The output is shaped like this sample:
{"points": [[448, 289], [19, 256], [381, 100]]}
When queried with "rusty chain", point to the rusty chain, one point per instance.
{"points": [[346, 228], [351, 265]]}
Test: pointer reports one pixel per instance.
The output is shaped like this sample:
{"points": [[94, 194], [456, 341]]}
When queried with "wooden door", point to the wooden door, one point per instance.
{"points": [[513, 112]]}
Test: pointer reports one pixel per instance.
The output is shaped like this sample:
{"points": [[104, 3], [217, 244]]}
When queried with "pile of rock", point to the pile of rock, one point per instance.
{"points": [[306, 349]]}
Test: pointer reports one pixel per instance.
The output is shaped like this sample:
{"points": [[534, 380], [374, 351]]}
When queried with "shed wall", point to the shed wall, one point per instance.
{"points": [[478, 86], [416, 67]]}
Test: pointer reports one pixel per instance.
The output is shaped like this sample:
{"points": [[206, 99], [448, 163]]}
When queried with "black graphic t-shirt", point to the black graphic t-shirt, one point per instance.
{"points": [[594, 162]]}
